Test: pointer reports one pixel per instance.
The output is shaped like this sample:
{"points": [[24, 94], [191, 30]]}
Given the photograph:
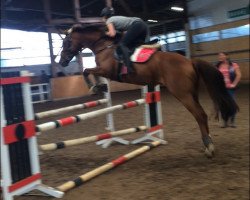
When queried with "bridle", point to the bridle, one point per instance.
{"points": [[71, 53]]}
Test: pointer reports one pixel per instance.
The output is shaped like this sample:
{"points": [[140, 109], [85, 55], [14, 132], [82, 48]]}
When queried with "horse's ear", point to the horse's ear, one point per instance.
{"points": [[65, 31], [61, 31], [73, 28], [68, 31]]}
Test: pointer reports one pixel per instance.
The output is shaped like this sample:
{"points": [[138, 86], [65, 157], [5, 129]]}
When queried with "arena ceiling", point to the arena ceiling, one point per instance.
{"points": [[29, 15]]}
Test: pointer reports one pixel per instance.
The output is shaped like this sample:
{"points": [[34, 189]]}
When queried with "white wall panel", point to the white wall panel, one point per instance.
{"points": [[207, 13]]}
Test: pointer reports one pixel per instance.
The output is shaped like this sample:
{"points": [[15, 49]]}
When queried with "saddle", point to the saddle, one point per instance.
{"points": [[142, 53], [139, 54]]}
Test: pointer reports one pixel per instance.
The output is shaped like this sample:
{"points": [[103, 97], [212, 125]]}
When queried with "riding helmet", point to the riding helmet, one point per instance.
{"points": [[107, 12]]}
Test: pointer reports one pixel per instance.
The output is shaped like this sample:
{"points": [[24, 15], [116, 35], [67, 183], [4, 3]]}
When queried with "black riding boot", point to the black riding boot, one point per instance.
{"points": [[123, 52]]}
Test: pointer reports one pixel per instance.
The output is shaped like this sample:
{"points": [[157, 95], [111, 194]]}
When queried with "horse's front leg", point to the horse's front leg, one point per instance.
{"points": [[101, 83], [95, 71]]}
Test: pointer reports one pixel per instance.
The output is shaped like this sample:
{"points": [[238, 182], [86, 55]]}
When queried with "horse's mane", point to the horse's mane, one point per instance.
{"points": [[83, 28], [90, 28]]}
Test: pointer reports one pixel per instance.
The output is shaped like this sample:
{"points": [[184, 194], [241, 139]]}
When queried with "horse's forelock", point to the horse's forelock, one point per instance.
{"points": [[76, 28], [68, 31]]}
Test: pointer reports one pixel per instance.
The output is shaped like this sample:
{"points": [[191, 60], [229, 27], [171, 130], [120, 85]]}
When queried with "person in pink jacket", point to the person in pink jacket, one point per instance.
{"points": [[232, 75]]}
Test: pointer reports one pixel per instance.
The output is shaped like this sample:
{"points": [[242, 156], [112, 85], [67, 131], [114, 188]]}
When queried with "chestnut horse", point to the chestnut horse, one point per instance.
{"points": [[179, 74]]}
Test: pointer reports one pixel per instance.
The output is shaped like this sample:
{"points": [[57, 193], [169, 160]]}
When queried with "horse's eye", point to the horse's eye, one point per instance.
{"points": [[66, 44]]}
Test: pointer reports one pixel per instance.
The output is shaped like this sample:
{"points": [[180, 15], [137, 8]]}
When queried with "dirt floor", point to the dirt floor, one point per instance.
{"points": [[176, 171]]}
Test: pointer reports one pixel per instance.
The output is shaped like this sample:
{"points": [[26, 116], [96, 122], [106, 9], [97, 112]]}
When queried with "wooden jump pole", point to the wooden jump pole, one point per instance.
{"points": [[75, 119], [59, 111], [84, 140], [100, 170]]}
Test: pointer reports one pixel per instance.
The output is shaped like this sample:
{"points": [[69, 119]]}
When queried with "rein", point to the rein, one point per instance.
{"points": [[106, 47], [111, 45]]}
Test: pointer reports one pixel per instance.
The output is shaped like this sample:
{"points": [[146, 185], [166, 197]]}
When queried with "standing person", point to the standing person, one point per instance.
{"points": [[232, 75], [136, 33]]}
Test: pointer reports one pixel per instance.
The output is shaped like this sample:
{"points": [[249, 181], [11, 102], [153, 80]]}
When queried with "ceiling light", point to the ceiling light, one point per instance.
{"points": [[177, 8], [152, 20]]}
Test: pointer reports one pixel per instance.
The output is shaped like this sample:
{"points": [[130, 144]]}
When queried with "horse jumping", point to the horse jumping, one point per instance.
{"points": [[177, 73]]}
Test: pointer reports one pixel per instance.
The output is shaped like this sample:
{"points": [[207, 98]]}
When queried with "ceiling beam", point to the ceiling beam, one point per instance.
{"points": [[80, 20], [145, 7], [167, 7], [88, 4], [165, 22], [47, 10], [77, 9], [19, 9], [109, 3], [126, 7], [10, 48]]}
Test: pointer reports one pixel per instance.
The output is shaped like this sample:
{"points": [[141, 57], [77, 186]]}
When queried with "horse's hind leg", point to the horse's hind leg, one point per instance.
{"points": [[192, 104]]}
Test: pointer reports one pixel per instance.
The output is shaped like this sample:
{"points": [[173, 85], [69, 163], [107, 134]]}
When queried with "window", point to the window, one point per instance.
{"points": [[172, 41], [163, 37], [180, 33], [181, 38], [19, 48], [235, 32], [222, 34], [205, 37], [88, 59], [171, 35]]}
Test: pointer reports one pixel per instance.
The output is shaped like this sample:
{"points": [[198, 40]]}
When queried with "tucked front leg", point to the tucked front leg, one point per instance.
{"points": [[98, 71]]}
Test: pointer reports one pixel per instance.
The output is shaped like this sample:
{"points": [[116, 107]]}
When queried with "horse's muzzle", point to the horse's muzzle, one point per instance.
{"points": [[64, 63]]}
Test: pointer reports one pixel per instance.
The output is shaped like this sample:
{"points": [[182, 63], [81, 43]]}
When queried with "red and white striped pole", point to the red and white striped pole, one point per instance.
{"points": [[100, 170], [67, 143], [59, 111], [75, 119]]}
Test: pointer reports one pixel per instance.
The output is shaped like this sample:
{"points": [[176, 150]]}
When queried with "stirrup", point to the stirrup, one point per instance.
{"points": [[118, 57]]}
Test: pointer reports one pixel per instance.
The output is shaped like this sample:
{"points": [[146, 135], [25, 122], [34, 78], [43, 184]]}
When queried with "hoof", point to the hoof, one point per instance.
{"points": [[94, 90], [91, 89], [99, 89], [210, 151]]}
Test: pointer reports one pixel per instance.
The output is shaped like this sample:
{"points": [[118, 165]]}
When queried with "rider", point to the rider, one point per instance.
{"points": [[136, 32]]}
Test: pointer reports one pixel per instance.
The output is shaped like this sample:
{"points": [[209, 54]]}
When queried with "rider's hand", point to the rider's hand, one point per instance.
{"points": [[232, 85]]}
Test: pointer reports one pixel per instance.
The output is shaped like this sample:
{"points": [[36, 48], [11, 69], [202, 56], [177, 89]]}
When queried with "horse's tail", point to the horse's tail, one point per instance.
{"points": [[215, 84]]}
